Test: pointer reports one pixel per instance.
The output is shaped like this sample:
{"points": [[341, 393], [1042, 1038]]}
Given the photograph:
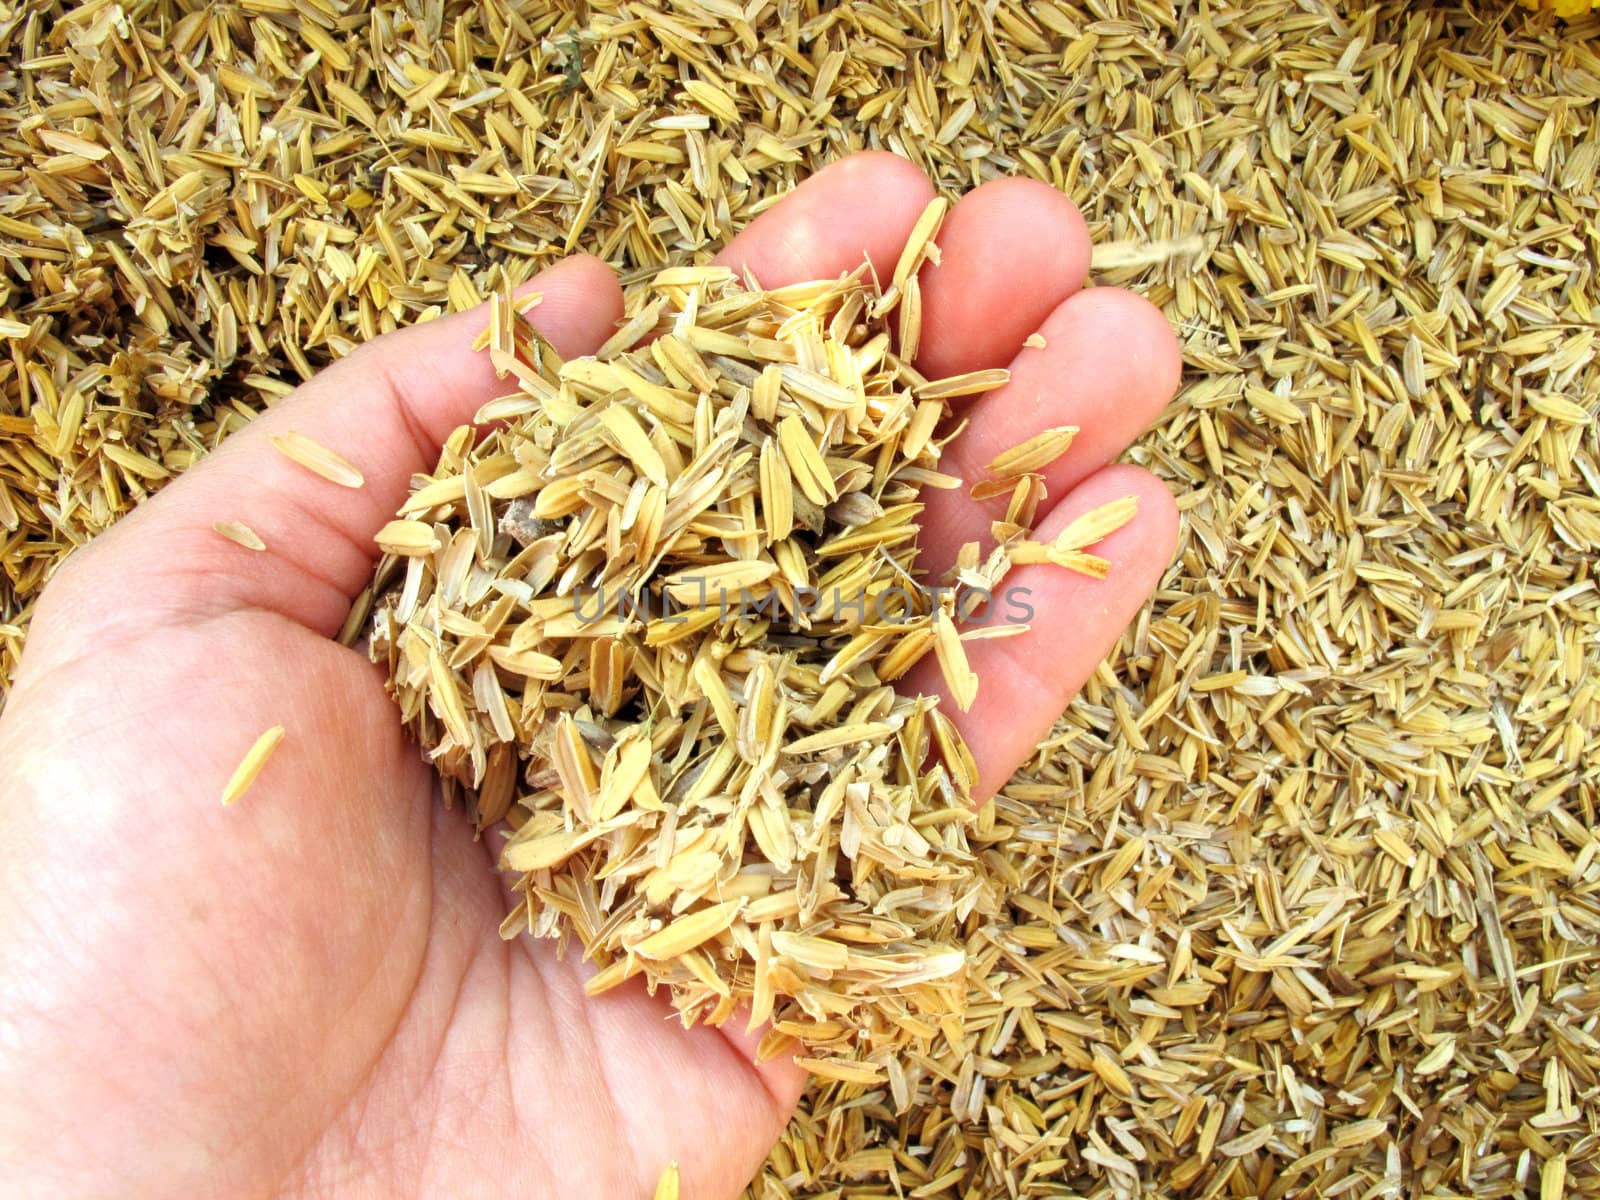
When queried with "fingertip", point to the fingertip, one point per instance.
{"points": [[1147, 543], [862, 205], [869, 169], [1143, 334], [1110, 365], [581, 306], [1066, 250], [1011, 250]]}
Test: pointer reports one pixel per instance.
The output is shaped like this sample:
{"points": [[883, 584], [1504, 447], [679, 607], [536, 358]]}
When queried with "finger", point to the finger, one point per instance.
{"points": [[385, 409], [863, 205], [1026, 682], [1009, 252], [1110, 365]]}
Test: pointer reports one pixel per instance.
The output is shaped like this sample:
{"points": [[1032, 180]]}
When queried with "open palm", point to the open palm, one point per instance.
{"points": [[307, 993]]}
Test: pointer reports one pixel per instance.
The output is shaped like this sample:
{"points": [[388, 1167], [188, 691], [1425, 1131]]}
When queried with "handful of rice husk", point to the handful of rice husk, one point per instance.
{"points": [[653, 622]]}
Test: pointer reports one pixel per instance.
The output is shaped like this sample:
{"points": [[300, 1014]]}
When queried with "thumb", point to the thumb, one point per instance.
{"points": [[385, 410]]}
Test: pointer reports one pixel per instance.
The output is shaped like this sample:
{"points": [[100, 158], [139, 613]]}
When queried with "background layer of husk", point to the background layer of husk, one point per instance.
{"points": [[1304, 885]]}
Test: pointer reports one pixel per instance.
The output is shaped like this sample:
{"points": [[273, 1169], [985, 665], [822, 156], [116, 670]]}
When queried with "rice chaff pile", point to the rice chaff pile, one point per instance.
{"points": [[1302, 894]]}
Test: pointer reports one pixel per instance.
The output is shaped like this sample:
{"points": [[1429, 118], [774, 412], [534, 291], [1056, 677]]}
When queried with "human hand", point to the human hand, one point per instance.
{"points": [[307, 993]]}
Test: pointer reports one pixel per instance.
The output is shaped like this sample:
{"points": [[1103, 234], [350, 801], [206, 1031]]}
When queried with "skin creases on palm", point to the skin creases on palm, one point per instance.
{"points": [[306, 993]]}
